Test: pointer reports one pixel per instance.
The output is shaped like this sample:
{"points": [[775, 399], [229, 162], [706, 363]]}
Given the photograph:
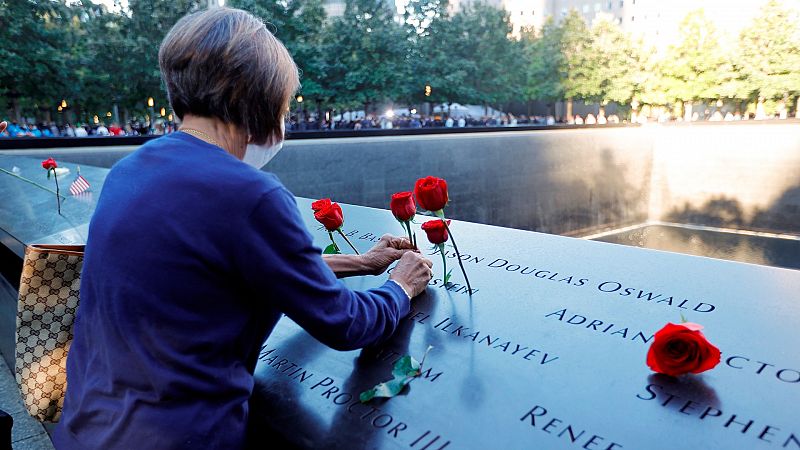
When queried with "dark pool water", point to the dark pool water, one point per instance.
{"points": [[770, 251]]}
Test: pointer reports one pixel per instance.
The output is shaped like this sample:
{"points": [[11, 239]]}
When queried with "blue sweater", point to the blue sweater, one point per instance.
{"points": [[191, 259]]}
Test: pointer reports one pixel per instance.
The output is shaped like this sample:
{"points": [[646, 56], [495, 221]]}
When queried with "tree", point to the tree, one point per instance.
{"points": [[431, 41], [543, 77], [366, 55], [649, 81], [32, 57], [494, 63], [576, 58], [770, 53], [692, 69], [95, 60], [613, 65], [301, 26]]}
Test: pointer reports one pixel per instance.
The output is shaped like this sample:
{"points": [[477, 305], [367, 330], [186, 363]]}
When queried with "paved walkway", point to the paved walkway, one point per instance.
{"points": [[27, 433]]}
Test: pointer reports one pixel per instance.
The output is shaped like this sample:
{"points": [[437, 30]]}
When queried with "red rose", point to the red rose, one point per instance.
{"points": [[436, 231], [431, 193], [680, 349], [330, 216], [321, 204], [403, 206], [49, 164]]}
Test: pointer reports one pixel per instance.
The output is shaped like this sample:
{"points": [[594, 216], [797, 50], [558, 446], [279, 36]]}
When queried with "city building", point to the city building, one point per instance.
{"points": [[524, 13], [333, 8]]}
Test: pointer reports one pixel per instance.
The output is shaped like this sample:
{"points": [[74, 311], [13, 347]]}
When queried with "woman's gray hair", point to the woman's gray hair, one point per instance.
{"points": [[224, 63]]}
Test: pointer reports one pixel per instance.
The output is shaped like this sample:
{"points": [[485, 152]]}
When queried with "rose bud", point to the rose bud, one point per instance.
{"points": [[49, 164], [431, 193], [436, 231], [682, 348], [403, 206], [321, 204], [330, 216]]}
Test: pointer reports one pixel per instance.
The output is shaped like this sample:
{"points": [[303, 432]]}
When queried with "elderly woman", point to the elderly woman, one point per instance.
{"points": [[194, 253]]}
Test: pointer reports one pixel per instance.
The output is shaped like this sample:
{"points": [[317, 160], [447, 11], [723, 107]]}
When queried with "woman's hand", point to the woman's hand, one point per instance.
{"points": [[413, 272], [388, 250]]}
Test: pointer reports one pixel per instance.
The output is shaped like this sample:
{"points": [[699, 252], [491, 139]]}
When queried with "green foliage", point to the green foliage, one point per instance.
{"points": [[481, 34], [575, 74], [770, 53], [32, 69], [692, 68], [544, 63], [366, 55], [95, 59], [613, 64], [331, 249], [571, 61], [432, 38]]}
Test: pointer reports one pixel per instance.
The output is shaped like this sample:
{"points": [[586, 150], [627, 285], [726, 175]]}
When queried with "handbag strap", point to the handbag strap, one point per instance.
{"points": [[59, 249]]}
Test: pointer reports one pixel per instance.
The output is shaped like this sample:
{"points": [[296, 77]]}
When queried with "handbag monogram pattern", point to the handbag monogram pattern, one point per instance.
{"points": [[48, 302]]}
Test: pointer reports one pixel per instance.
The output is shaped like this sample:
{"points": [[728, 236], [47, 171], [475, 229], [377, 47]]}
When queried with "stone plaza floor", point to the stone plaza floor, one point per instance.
{"points": [[27, 433]]}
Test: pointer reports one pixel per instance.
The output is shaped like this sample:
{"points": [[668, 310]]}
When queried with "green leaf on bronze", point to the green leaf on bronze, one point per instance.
{"points": [[405, 369]]}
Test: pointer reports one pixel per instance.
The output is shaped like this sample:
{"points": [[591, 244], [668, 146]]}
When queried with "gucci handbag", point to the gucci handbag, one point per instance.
{"points": [[48, 301]]}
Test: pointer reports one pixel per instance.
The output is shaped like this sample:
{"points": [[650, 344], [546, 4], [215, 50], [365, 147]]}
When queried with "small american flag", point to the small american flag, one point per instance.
{"points": [[80, 185]]}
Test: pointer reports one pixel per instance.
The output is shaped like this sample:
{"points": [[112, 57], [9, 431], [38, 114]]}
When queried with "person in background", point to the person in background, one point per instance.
{"points": [[80, 131], [194, 253], [102, 130], [69, 131], [12, 129], [3, 126], [22, 130]]}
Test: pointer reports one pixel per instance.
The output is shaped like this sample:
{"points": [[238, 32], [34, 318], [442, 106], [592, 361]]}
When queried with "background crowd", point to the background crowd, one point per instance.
{"points": [[413, 121], [51, 129]]}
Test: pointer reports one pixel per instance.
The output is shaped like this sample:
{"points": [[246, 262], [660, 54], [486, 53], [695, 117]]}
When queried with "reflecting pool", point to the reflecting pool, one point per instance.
{"points": [[750, 248]]}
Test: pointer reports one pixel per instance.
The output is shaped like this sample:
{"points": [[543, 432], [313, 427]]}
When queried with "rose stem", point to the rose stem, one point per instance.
{"points": [[444, 262], [410, 237], [458, 254], [334, 242], [58, 193], [28, 181], [348, 241]]}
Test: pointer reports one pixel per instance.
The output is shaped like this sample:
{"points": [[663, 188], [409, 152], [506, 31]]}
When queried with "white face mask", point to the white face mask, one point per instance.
{"points": [[259, 155]]}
